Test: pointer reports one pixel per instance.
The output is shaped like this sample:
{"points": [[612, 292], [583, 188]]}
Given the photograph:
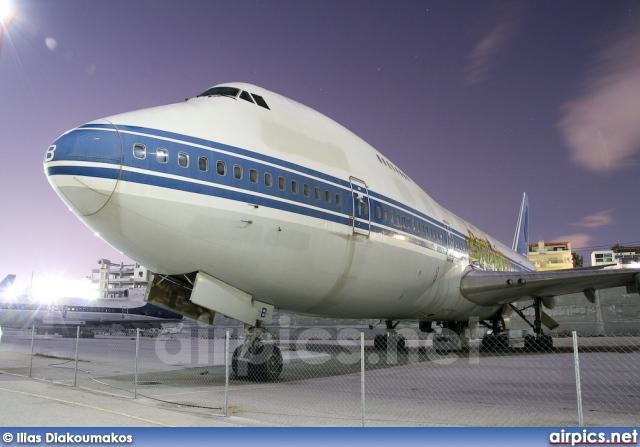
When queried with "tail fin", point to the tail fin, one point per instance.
{"points": [[521, 238], [7, 282]]}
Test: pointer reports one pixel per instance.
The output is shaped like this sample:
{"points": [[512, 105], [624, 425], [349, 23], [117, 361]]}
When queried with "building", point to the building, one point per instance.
{"points": [[116, 280], [621, 257], [551, 255]]}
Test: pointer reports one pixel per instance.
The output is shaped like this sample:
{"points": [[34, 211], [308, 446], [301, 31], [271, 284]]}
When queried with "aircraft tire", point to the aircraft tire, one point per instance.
{"points": [[542, 342], [380, 342], [495, 343], [266, 363]]}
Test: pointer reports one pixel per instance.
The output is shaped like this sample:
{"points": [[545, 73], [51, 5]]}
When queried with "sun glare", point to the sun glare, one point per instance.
{"points": [[6, 10], [51, 289]]}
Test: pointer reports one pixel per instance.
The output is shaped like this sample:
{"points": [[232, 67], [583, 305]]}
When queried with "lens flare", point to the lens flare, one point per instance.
{"points": [[6, 10]]}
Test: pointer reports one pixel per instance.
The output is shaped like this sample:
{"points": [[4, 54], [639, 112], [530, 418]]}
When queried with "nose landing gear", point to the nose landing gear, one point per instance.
{"points": [[258, 358]]}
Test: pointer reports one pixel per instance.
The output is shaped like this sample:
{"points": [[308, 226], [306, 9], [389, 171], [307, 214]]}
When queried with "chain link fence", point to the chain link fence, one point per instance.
{"points": [[346, 376]]}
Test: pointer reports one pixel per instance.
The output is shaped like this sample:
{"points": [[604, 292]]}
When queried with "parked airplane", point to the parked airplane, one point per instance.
{"points": [[242, 201], [66, 314]]}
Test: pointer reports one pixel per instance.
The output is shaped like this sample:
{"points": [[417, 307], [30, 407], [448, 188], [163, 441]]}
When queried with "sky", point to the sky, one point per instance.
{"points": [[477, 101]]}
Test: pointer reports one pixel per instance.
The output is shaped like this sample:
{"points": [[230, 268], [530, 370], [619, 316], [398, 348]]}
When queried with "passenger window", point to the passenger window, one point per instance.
{"points": [[338, 199], [318, 193], [365, 207], [183, 159], [282, 183], [386, 215], [294, 186], [397, 219], [237, 172], [253, 176], [221, 168], [139, 151], [203, 164], [162, 155], [306, 190], [327, 196], [268, 179], [393, 217], [378, 212]]}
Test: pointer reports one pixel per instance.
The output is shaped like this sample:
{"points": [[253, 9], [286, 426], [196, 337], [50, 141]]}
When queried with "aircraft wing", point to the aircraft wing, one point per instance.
{"points": [[491, 288]]}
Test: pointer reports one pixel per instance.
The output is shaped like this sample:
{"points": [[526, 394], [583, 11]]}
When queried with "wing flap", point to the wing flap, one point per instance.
{"points": [[492, 288]]}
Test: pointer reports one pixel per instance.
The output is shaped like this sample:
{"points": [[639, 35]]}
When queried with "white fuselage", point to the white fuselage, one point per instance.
{"points": [[347, 234]]}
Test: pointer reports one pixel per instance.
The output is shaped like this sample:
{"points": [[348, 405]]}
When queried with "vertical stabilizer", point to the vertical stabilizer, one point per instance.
{"points": [[521, 238], [7, 282]]}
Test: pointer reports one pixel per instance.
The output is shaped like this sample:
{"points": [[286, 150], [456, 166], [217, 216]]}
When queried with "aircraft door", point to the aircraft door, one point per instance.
{"points": [[361, 213], [450, 243]]}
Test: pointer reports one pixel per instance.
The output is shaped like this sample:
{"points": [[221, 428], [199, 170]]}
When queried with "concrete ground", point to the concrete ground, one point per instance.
{"points": [[181, 383]]}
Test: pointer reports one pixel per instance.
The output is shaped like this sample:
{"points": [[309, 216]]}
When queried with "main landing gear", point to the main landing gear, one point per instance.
{"points": [[499, 341], [382, 342], [258, 358], [540, 341]]}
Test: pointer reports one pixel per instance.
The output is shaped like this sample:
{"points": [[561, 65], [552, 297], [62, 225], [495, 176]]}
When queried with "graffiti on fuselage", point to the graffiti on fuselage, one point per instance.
{"points": [[482, 254]]}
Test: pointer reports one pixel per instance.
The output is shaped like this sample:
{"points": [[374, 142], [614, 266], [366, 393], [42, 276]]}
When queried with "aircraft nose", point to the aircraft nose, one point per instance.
{"points": [[83, 166]]}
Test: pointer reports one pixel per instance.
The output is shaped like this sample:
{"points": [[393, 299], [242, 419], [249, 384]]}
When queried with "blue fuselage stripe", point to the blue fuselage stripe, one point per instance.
{"points": [[428, 232]]}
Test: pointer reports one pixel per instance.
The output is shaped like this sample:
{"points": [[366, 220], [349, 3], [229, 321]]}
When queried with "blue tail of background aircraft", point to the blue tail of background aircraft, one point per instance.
{"points": [[7, 282], [521, 238]]}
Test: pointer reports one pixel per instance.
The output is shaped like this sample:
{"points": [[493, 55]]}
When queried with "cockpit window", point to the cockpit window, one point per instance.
{"points": [[260, 101], [232, 92], [246, 96]]}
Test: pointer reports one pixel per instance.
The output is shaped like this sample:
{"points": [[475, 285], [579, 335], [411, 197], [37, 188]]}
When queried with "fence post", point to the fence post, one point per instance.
{"points": [[226, 374], [362, 375], [75, 369], [33, 331], [576, 362], [135, 375]]}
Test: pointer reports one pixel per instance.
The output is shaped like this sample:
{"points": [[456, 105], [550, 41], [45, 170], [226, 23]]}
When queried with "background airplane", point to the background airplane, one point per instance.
{"points": [[242, 201], [64, 315]]}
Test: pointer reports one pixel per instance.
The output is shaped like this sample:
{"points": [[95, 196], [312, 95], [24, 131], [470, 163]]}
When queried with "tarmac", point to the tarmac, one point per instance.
{"points": [[516, 389], [35, 403]]}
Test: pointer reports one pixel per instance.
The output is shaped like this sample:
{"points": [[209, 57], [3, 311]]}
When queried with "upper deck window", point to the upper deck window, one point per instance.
{"points": [[231, 92]]}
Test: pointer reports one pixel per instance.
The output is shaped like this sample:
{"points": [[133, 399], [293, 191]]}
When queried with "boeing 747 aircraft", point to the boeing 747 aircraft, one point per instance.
{"points": [[242, 201]]}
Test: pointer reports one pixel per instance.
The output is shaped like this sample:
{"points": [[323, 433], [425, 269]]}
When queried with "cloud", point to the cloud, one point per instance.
{"points": [[602, 127], [578, 240], [482, 58], [596, 220], [51, 43]]}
